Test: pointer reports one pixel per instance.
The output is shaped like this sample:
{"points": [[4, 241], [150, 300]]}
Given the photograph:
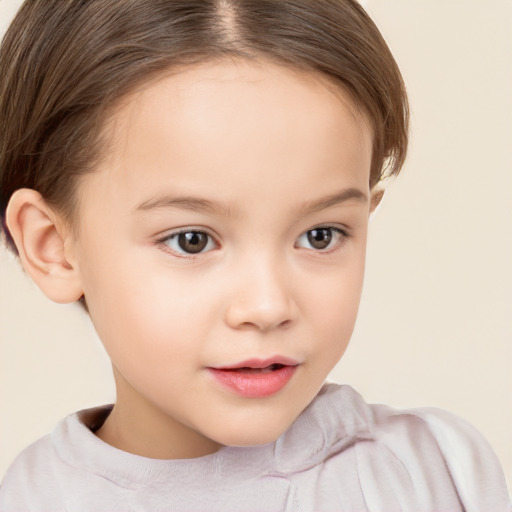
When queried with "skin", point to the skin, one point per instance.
{"points": [[263, 154]]}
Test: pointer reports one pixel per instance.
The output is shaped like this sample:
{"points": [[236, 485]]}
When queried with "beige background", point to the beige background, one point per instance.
{"points": [[435, 326]]}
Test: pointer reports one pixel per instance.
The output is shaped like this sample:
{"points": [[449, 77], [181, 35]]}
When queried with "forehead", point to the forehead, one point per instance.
{"points": [[201, 126]]}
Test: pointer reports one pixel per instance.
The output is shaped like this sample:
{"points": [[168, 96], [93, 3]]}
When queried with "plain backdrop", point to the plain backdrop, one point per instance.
{"points": [[435, 326]]}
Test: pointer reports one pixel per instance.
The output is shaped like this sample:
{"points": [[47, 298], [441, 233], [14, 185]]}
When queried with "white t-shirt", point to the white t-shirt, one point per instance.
{"points": [[341, 454]]}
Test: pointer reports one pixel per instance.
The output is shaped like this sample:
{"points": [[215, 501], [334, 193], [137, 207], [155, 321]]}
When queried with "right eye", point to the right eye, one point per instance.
{"points": [[189, 242]]}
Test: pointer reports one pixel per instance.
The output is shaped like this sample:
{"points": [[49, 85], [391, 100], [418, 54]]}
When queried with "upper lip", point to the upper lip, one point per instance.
{"points": [[260, 363]]}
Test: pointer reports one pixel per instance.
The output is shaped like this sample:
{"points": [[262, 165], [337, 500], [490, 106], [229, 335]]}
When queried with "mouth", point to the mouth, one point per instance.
{"points": [[256, 378], [256, 371]]}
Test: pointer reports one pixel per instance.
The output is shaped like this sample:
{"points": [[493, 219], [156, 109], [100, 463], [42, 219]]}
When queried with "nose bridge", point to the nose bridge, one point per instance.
{"points": [[262, 296]]}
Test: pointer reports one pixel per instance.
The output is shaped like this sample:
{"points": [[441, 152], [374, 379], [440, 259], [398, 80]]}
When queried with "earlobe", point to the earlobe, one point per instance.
{"points": [[41, 244]]}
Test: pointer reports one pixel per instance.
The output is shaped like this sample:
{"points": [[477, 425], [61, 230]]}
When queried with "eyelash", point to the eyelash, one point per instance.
{"points": [[164, 242], [339, 236]]}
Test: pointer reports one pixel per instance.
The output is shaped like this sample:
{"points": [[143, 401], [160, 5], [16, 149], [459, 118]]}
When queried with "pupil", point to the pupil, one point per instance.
{"points": [[320, 238], [192, 242]]}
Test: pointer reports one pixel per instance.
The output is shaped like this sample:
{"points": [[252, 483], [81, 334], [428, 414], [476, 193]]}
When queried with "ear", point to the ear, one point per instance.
{"points": [[41, 242], [376, 198]]}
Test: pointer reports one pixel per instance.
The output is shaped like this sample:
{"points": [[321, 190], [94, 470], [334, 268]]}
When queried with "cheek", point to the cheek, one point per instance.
{"points": [[334, 305], [145, 314]]}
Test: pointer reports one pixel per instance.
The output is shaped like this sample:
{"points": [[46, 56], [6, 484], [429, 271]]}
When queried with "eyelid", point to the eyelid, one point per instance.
{"points": [[343, 233], [161, 241]]}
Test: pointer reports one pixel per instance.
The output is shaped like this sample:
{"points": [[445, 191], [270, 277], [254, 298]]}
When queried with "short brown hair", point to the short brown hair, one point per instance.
{"points": [[64, 64]]}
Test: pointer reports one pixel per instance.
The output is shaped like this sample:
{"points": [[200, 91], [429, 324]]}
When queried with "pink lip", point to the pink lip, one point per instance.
{"points": [[254, 378]]}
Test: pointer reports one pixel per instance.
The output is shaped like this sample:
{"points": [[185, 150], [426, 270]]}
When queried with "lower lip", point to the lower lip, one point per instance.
{"points": [[253, 384]]}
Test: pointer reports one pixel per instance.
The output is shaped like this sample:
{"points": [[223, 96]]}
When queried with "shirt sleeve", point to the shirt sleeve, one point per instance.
{"points": [[474, 468]]}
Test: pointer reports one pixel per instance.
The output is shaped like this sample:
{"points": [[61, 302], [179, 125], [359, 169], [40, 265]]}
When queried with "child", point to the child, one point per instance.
{"points": [[199, 175]]}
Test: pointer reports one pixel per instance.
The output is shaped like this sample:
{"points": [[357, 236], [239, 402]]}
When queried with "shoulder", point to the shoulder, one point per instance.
{"points": [[430, 447], [473, 466], [29, 475], [48, 474]]}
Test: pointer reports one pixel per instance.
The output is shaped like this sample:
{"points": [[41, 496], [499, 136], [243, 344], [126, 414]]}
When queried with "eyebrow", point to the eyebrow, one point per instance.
{"points": [[217, 207], [195, 204], [334, 200]]}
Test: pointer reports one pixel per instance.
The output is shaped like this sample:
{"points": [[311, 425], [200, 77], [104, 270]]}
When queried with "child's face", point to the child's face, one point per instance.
{"points": [[246, 161]]}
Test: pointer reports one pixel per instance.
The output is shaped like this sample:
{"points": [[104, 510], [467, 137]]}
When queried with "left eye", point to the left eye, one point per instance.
{"points": [[320, 239], [190, 242]]}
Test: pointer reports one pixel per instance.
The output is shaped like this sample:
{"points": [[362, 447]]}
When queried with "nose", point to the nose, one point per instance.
{"points": [[262, 298]]}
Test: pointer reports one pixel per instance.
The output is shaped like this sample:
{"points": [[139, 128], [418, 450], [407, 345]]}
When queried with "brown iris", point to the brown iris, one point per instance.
{"points": [[192, 241], [320, 238]]}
